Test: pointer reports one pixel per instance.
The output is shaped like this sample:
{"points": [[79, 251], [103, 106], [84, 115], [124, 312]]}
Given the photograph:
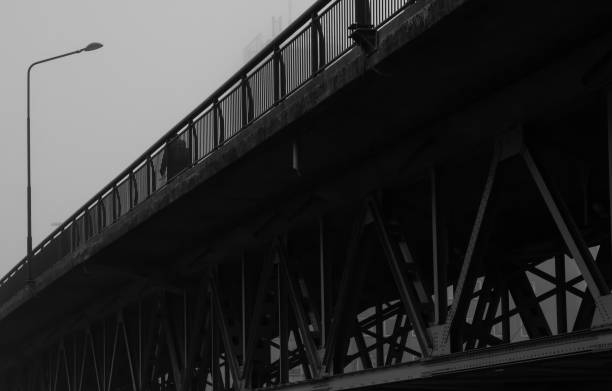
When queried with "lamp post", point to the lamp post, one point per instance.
{"points": [[88, 48]]}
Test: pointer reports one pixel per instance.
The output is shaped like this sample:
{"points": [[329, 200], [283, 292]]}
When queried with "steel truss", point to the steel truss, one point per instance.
{"points": [[368, 287]]}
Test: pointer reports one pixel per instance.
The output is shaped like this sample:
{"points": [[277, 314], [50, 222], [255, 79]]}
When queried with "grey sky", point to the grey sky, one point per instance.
{"points": [[94, 113]]}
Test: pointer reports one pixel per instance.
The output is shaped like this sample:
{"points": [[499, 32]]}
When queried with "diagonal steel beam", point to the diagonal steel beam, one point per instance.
{"points": [[568, 229], [478, 321], [171, 344], [111, 369], [466, 280], [230, 355], [253, 336], [151, 340], [128, 351], [404, 286], [528, 305], [298, 310], [362, 349], [201, 317], [586, 311], [351, 281]]}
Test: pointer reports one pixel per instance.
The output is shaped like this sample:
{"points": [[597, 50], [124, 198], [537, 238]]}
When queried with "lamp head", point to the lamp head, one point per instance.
{"points": [[92, 46]]}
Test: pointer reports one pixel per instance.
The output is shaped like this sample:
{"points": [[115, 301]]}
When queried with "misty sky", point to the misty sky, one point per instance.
{"points": [[94, 113]]}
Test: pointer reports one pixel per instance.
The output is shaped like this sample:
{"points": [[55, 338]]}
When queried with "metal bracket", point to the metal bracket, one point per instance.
{"points": [[365, 36], [440, 345]]}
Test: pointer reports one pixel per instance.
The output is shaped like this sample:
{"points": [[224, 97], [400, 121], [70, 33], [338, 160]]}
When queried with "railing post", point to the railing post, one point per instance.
{"points": [[244, 103], [131, 190], [363, 13], [116, 204], [363, 32], [150, 177], [247, 102], [314, 42], [87, 220], [73, 235], [101, 214], [191, 132], [219, 124], [215, 125], [279, 76], [195, 141]]}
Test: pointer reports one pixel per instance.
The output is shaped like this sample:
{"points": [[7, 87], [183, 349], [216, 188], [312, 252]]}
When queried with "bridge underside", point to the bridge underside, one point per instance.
{"points": [[433, 216]]}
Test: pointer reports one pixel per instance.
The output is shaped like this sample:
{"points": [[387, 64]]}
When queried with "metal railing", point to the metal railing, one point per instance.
{"points": [[312, 42]]}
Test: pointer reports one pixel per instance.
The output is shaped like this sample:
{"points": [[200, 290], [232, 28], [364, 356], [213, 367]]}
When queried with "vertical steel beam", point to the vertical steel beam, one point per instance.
{"points": [[561, 294], [214, 348], [379, 335], [283, 327], [139, 325], [243, 306], [74, 364], [440, 250], [505, 312], [609, 150], [322, 280]]}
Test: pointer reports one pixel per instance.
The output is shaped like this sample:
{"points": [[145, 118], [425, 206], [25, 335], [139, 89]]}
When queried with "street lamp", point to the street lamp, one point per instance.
{"points": [[88, 48]]}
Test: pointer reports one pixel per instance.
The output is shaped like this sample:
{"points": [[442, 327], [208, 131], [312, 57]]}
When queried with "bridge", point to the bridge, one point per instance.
{"points": [[393, 194]]}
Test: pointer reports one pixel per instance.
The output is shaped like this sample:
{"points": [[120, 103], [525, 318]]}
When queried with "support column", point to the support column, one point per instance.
{"points": [[379, 336], [283, 328], [322, 280], [561, 294], [609, 124], [440, 250]]}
